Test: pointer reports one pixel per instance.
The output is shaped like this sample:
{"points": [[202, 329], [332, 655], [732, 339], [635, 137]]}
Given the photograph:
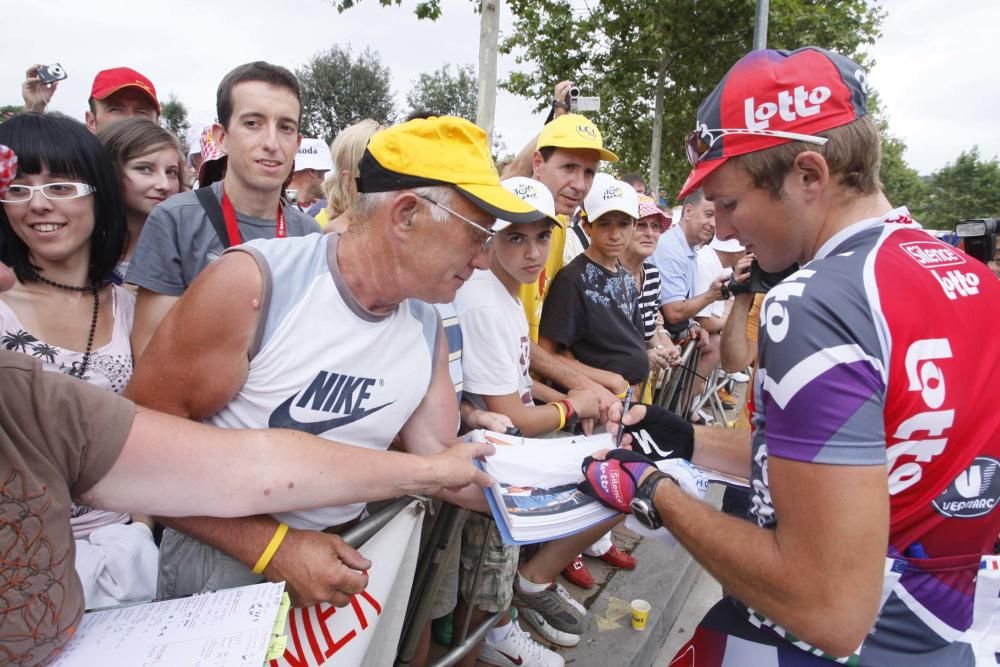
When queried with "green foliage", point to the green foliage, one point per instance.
{"points": [[619, 48], [174, 116], [339, 90], [967, 188], [426, 9], [9, 110], [442, 93], [901, 182]]}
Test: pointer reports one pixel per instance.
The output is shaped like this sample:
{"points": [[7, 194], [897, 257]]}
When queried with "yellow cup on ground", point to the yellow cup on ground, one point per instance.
{"points": [[640, 614]]}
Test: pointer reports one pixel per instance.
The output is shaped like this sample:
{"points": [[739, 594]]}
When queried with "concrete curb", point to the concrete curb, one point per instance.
{"points": [[664, 577]]}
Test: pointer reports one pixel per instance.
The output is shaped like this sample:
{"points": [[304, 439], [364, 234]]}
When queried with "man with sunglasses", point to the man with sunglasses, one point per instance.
{"points": [[874, 461], [331, 335]]}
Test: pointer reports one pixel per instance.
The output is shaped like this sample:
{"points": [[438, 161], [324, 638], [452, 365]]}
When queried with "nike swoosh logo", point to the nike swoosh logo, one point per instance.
{"points": [[282, 418], [517, 661]]}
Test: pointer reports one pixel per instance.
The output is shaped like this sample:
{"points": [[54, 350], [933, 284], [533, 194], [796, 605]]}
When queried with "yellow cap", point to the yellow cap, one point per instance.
{"points": [[572, 130], [440, 151]]}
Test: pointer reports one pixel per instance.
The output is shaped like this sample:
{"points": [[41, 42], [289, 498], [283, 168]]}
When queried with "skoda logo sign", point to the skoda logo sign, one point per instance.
{"points": [[975, 492]]}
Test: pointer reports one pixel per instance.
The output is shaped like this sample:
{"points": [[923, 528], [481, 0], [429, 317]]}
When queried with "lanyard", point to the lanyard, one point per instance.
{"points": [[233, 229]]}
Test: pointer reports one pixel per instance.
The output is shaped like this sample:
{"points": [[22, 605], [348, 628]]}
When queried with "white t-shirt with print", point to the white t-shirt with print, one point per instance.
{"points": [[709, 268], [495, 340]]}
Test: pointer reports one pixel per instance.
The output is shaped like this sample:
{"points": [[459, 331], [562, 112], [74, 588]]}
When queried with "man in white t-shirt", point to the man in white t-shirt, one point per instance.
{"points": [[714, 260]]}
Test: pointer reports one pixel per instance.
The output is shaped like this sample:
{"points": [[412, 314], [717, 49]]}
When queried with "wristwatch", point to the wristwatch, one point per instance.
{"points": [[642, 505]]}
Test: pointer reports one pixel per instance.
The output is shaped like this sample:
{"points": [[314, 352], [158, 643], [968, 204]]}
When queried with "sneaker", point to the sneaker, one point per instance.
{"points": [[701, 418], [556, 606], [728, 401], [546, 630], [577, 574], [615, 557], [518, 649], [738, 378]]}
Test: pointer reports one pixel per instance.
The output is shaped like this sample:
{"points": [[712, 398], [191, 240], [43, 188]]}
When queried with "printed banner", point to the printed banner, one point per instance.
{"points": [[365, 632]]}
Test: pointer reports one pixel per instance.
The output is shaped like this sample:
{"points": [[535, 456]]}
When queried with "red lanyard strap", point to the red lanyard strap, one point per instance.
{"points": [[233, 228]]}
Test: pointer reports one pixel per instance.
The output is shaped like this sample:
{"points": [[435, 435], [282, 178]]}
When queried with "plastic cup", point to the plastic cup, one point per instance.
{"points": [[640, 614]]}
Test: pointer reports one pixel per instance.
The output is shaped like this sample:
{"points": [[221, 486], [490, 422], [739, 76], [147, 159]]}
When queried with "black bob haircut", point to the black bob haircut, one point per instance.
{"points": [[67, 148]]}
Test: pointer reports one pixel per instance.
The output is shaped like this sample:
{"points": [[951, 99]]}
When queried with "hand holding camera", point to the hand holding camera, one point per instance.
{"points": [[40, 85]]}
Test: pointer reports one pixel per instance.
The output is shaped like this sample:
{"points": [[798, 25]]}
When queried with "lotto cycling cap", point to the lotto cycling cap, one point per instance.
{"points": [[440, 151], [772, 97], [609, 194], [572, 130], [110, 81], [532, 192]]}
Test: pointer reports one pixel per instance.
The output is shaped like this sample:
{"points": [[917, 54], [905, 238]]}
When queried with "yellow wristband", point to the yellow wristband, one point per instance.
{"points": [[270, 549], [562, 415], [622, 395]]}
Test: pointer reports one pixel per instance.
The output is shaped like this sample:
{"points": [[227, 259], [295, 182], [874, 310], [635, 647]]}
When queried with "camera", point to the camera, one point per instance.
{"points": [[759, 282], [50, 73], [979, 238], [579, 104]]}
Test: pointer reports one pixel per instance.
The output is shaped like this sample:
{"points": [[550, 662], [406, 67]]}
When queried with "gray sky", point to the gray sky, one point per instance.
{"points": [[933, 63]]}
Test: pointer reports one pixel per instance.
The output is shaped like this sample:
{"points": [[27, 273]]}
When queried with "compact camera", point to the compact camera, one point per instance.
{"points": [[579, 104], [979, 238], [51, 73], [759, 282]]}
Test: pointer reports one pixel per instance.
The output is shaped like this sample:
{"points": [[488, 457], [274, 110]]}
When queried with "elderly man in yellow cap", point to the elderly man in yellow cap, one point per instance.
{"points": [[331, 335]]}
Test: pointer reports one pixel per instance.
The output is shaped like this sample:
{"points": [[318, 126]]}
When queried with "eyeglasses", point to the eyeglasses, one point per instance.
{"points": [[18, 194], [490, 234], [700, 142]]}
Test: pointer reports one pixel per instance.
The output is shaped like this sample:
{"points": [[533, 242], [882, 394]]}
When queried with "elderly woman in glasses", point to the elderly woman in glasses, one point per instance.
{"points": [[62, 231]]}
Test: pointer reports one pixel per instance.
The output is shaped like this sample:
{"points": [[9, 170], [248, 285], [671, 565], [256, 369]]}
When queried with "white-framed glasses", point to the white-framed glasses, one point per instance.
{"points": [[700, 142], [490, 234], [18, 194]]}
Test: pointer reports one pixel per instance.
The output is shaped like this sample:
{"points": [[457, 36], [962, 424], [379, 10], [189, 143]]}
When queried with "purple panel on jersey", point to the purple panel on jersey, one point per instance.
{"points": [[948, 595], [818, 411]]}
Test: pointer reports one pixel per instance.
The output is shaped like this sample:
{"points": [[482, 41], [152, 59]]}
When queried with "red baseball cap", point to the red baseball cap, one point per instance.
{"points": [[109, 81], [772, 97]]}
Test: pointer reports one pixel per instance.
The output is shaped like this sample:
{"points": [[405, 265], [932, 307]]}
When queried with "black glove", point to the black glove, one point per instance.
{"points": [[662, 435]]}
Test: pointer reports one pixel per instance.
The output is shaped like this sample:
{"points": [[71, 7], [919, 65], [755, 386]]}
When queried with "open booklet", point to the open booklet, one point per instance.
{"points": [[534, 497], [236, 626]]}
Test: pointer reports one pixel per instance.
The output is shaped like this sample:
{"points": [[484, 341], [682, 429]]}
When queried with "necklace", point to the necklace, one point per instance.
{"points": [[93, 320]]}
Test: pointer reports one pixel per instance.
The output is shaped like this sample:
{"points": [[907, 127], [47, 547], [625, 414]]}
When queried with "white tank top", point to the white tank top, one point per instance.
{"points": [[322, 364]]}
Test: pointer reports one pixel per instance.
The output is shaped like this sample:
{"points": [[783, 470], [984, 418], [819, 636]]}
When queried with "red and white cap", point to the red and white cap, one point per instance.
{"points": [[770, 93]]}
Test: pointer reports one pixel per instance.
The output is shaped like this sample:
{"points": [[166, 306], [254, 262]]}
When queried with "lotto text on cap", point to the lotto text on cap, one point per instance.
{"points": [[769, 95]]}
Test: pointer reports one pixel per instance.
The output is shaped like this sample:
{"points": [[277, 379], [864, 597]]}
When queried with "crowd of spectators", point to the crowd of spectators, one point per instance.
{"points": [[388, 293]]}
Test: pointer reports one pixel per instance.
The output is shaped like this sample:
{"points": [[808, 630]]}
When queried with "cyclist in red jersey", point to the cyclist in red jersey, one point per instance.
{"points": [[874, 462]]}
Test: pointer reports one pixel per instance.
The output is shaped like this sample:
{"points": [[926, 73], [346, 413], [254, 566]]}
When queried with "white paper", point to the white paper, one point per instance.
{"points": [[228, 627]]}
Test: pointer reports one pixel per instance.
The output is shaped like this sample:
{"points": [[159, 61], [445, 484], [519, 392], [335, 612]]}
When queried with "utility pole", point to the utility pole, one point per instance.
{"points": [[760, 26], [489, 30]]}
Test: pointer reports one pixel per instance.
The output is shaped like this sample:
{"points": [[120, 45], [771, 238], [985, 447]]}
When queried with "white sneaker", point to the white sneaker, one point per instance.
{"points": [[738, 377], [538, 622], [518, 649]]}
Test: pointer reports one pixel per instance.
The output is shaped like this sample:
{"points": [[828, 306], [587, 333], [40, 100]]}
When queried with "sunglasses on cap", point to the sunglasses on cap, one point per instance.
{"points": [[700, 142]]}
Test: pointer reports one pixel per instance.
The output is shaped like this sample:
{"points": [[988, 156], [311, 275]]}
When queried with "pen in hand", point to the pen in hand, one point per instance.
{"points": [[626, 406]]}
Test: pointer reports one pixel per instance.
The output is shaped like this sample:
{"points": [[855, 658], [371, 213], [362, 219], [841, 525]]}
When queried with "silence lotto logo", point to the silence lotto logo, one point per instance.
{"points": [[932, 254], [789, 106], [613, 192], [587, 132]]}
